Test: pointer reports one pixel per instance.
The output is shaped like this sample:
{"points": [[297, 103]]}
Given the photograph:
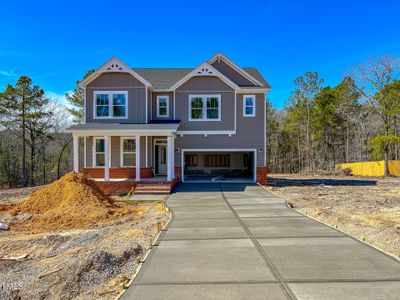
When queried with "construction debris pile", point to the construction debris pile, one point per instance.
{"points": [[70, 241], [70, 202]]}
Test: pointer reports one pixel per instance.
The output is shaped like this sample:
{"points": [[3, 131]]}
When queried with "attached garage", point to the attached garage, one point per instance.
{"points": [[224, 165]]}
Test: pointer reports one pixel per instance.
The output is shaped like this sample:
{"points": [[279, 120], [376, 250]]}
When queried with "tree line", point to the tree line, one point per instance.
{"points": [[34, 149], [321, 126]]}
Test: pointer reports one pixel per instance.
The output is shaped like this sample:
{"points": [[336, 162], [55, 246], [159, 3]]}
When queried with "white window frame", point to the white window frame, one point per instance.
{"points": [[122, 151], [110, 104], [158, 106], [204, 98], [244, 105], [94, 163]]}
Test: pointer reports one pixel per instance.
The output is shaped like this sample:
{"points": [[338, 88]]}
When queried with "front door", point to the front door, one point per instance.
{"points": [[160, 155]]}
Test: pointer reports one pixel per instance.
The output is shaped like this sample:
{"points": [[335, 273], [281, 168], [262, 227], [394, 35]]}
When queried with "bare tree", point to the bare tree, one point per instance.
{"points": [[374, 79]]}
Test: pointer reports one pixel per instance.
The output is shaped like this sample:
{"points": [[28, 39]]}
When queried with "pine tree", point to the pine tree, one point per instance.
{"points": [[21, 108], [77, 101]]}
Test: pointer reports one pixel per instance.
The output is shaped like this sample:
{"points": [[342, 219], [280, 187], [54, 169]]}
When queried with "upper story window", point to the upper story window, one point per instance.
{"points": [[110, 105], [205, 108], [249, 105], [162, 106]]}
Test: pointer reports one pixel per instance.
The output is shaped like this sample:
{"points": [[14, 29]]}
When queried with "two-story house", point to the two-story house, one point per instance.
{"points": [[172, 124]]}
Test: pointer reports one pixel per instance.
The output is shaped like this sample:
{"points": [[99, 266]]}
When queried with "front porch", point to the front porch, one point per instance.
{"points": [[121, 160]]}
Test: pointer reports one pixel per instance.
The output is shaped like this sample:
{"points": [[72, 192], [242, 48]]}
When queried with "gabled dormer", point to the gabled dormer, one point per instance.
{"points": [[115, 93]]}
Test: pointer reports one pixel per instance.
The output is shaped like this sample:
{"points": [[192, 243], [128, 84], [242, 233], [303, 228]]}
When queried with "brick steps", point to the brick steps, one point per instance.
{"points": [[153, 188], [140, 188]]}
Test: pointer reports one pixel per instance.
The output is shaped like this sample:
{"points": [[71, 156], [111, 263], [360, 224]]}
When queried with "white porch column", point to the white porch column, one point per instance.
{"points": [[106, 158], [170, 158], [137, 158], [75, 141], [147, 151], [84, 151]]}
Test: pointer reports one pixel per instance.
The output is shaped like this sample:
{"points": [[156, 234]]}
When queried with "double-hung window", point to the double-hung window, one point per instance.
{"points": [[162, 106], [205, 108], [110, 105], [249, 105], [128, 152], [99, 152]]}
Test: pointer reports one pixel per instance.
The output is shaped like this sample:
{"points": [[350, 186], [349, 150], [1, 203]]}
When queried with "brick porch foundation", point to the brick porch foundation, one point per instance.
{"points": [[261, 176], [115, 187], [118, 172]]}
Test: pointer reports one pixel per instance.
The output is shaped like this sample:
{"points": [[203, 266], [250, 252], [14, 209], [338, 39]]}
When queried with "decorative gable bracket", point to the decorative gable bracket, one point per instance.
{"points": [[115, 67], [205, 71]]}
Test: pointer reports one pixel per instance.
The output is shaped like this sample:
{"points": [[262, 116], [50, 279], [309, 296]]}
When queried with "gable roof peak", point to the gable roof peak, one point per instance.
{"points": [[219, 56], [113, 65], [205, 69]]}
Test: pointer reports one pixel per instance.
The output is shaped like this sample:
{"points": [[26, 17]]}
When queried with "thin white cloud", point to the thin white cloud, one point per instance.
{"points": [[8, 73]]}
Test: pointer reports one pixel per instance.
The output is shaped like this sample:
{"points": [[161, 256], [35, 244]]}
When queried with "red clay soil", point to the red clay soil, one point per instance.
{"points": [[73, 201]]}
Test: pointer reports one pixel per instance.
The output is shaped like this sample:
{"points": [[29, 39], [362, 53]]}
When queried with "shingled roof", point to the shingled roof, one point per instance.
{"points": [[164, 78]]}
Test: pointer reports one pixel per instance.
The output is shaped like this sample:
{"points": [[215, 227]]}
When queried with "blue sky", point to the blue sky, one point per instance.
{"points": [[55, 43]]}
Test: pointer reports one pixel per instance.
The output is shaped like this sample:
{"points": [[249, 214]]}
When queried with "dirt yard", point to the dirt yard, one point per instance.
{"points": [[73, 258], [366, 208]]}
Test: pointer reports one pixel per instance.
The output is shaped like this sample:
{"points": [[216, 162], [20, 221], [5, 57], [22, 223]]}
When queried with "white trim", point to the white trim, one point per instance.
{"points": [[137, 177], [253, 97], [109, 149], [113, 65], [204, 108], [147, 154], [174, 103], [110, 104], [107, 159], [75, 142], [121, 148], [146, 105], [253, 91], [153, 155], [94, 161], [158, 105], [84, 151], [218, 150], [265, 130], [209, 132], [121, 132], [205, 69], [170, 157], [238, 69]]}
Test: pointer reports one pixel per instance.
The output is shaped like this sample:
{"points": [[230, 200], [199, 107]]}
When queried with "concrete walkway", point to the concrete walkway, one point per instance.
{"points": [[234, 241]]}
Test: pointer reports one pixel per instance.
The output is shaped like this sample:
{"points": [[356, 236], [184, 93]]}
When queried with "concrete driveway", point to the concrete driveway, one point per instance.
{"points": [[234, 241]]}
